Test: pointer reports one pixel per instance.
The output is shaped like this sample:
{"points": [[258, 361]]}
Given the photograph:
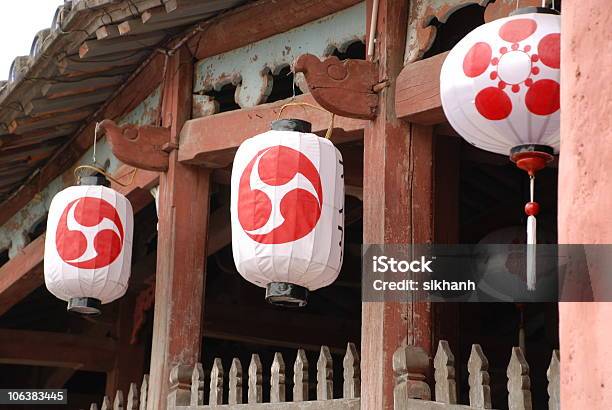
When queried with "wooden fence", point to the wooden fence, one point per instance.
{"points": [[136, 398], [410, 365]]}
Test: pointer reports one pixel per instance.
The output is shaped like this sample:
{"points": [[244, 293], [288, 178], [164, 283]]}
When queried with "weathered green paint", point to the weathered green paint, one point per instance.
{"points": [[250, 65]]}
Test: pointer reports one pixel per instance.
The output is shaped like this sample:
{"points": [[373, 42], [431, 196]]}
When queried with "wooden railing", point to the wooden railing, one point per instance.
{"points": [[136, 398], [411, 391], [410, 365], [187, 384]]}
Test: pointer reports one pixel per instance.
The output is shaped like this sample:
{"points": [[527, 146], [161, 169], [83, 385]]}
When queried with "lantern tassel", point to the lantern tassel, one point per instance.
{"points": [[531, 252], [532, 210]]}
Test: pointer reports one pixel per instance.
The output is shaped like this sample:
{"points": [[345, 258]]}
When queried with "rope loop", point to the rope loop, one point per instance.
{"points": [[101, 171], [328, 134]]}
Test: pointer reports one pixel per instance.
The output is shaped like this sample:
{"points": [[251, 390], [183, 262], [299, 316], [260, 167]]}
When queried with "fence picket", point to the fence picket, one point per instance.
{"points": [[106, 404], [216, 383], [277, 379], [325, 375], [480, 391], [144, 391], [255, 394], [132, 400], [118, 402], [235, 382], [300, 377], [554, 382], [519, 384], [197, 385], [444, 374], [352, 373]]}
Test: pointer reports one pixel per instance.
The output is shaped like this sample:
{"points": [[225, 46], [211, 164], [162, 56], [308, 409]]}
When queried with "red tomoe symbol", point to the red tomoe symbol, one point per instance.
{"points": [[89, 233], [289, 178], [514, 67]]}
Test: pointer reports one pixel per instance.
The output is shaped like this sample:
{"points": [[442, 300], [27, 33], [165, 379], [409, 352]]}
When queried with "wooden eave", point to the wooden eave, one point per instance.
{"points": [[72, 73]]}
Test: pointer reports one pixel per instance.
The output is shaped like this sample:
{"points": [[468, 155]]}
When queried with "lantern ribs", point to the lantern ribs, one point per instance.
{"points": [[212, 141], [344, 88], [143, 147]]}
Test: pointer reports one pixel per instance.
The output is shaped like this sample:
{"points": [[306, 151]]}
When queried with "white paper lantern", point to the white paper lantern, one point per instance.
{"points": [[287, 200], [500, 91], [88, 246], [499, 85]]}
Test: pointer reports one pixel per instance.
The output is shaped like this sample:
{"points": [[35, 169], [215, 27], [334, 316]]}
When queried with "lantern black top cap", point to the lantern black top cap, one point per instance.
{"points": [[291, 124], [528, 10], [96, 179]]}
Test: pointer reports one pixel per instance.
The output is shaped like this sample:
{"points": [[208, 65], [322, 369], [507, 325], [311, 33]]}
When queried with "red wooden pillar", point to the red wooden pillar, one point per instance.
{"points": [[585, 197], [181, 250], [397, 209]]}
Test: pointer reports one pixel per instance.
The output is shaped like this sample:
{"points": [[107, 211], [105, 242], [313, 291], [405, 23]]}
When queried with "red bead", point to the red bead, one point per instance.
{"points": [[532, 208]]}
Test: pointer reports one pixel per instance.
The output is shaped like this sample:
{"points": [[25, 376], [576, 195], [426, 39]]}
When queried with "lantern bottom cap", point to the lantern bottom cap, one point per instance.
{"points": [[85, 306], [286, 294]]}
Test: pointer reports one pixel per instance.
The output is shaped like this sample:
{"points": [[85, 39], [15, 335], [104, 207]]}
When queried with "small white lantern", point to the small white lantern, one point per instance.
{"points": [[88, 245], [287, 201]]}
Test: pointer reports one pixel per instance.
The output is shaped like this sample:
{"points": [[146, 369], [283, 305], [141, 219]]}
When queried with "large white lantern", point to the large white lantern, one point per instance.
{"points": [[499, 85], [88, 245], [499, 88], [287, 201]]}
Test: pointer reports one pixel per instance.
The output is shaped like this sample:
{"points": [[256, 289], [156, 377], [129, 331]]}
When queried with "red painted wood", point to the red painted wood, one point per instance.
{"points": [[22, 274], [138, 146], [181, 256], [345, 88], [212, 141], [397, 209], [258, 20], [417, 92]]}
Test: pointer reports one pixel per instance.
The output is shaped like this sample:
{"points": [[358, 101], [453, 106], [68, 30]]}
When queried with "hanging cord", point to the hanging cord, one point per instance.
{"points": [[107, 175], [328, 134], [95, 167]]}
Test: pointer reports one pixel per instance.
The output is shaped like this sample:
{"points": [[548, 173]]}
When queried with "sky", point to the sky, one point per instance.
{"points": [[20, 20]]}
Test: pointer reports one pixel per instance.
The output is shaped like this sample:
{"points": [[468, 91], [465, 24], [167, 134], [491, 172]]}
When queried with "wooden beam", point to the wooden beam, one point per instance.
{"points": [[136, 26], [96, 48], [212, 141], [24, 272], [397, 208], [258, 20], [181, 252], [136, 90], [417, 92], [74, 351]]}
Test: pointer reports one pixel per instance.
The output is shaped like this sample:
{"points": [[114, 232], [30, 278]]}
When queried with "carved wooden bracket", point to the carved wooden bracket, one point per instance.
{"points": [[345, 88], [143, 147]]}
